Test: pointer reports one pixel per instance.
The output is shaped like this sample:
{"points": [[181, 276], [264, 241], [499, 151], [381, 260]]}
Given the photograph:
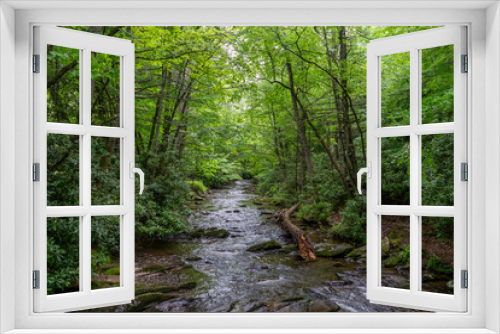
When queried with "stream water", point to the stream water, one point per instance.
{"points": [[231, 279]]}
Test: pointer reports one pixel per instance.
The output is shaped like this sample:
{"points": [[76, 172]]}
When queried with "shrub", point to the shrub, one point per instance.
{"points": [[319, 212], [197, 187], [437, 265], [353, 224]]}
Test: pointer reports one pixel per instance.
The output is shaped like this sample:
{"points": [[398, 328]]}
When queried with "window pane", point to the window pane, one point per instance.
{"points": [[63, 255], [395, 250], [437, 170], [105, 252], [437, 84], [105, 90], [63, 170], [63, 84], [395, 170], [105, 171], [437, 254], [395, 89]]}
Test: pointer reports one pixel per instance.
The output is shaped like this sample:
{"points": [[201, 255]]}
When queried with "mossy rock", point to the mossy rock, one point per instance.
{"points": [[112, 271], [287, 249], [332, 250], [211, 232], [337, 264], [323, 306], [264, 246], [143, 301], [401, 258], [153, 267], [191, 275], [358, 253]]}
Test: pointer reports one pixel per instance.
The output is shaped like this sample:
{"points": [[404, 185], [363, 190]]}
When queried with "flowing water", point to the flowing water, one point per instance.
{"points": [[231, 279]]}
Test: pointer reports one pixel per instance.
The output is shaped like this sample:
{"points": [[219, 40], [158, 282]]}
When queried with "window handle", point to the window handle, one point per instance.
{"points": [[368, 171], [134, 170]]}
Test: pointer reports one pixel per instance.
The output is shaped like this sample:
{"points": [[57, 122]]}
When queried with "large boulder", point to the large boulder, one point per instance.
{"points": [[332, 250], [358, 253], [264, 246]]}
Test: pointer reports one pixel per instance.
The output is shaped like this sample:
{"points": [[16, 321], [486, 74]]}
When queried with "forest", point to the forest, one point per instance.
{"points": [[282, 107]]}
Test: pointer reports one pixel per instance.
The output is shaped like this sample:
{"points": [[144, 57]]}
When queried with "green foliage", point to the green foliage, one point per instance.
{"points": [[197, 187], [437, 265], [112, 271], [161, 210], [318, 211], [217, 172], [353, 223], [215, 105], [400, 259], [62, 254]]}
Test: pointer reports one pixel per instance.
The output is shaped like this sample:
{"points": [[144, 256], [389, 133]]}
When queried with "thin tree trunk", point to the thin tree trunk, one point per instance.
{"points": [[301, 129]]}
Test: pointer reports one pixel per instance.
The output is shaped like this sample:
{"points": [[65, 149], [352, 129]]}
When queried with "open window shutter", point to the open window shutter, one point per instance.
{"points": [[416, 117], [71, 200]]}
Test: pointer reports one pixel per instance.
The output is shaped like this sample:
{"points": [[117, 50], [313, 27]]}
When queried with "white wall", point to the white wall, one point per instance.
{"points": [[492, 166], [7, 164]]}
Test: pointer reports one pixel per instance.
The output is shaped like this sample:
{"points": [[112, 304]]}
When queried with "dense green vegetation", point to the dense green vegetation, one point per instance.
{"points": [[283, 105]]}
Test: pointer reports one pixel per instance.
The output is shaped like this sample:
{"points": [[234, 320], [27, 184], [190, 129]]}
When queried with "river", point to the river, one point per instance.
{"points": [[227, 278]]}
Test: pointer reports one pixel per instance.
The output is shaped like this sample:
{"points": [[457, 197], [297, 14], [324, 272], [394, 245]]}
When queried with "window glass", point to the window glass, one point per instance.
{"points": [[105, 90], [437, 84], [63, 255], [395, 89], [63, 84]]}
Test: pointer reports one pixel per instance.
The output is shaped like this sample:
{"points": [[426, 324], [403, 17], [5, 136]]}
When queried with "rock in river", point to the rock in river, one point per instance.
{"points": [[333, 250], [267, 245], [211, 232]]}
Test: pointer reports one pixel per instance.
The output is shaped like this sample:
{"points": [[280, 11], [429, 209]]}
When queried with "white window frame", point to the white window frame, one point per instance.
{"points": [[483, 21], [413, 44], [85, 43]]}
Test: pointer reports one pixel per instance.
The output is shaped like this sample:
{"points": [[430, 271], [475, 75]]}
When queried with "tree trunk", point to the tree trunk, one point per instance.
{"points": [[301, 130], [306, 248]]}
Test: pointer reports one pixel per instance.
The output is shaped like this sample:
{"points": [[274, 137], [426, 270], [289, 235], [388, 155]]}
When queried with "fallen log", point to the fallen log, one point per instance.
{"points": [[306, 248]]}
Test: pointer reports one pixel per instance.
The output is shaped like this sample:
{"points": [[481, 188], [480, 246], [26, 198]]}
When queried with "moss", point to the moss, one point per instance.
{"points": [[112, 271], [143, 301], [399, 259], [288, 248], [357, 253], [211, 232], [263, 246], [153, 267], [334, 250]]}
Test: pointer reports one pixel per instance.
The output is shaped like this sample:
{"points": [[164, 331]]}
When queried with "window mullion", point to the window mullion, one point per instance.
{"points": [[414, 172], [86, 158]]}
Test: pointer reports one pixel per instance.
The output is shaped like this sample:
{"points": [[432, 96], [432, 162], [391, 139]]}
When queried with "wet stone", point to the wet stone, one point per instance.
{"points": [[264, 246], [323, 306], [333, 250]]}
